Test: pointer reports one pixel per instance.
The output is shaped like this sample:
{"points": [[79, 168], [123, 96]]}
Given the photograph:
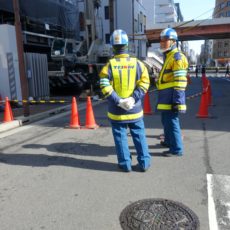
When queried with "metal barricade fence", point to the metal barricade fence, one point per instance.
{"points": [[37, 75]]}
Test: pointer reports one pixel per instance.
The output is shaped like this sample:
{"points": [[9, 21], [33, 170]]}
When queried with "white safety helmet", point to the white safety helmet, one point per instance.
{"points": [[119, 37], [169, 33]]}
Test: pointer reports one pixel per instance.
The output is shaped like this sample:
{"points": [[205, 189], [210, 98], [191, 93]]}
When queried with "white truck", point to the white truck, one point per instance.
{"points": [[74, 67]]}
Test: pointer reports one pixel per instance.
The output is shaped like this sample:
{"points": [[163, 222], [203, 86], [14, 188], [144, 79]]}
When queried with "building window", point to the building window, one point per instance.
{"points": [[222, 15], [135, 26], [81, 21], [228, 3], [144, 22], [219, 44], [228, 13], [140, 27], [107, 38], [225, 44], [106, 12], [222, 5]]}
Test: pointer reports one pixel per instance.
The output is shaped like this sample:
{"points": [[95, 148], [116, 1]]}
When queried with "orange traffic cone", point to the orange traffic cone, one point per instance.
{"points": [[8, 114], [74, 119], [89, 120], [203, 109], [209, 95], [147, 107]]}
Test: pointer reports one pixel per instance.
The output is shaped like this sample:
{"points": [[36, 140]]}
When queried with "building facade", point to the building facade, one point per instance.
{"points": [[221, 47], [159, 11], [128, 15], [163, 11], [206, 53]]}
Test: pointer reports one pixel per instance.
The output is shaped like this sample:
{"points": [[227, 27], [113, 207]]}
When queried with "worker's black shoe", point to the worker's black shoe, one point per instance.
{"points": [[124, 169], [169, 154], [138, 168], [164, 144], [144, 169]]}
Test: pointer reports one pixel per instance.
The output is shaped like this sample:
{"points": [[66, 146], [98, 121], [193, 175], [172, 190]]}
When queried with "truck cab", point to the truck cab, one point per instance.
{"points": [[68, 49]]}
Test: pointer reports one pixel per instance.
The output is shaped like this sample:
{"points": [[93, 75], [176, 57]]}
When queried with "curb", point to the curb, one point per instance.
{"points": [[10, 125], [21, 120]]}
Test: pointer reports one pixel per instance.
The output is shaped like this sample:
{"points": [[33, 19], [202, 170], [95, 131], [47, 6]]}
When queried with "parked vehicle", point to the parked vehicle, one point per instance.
{"points": [[72, 66]]}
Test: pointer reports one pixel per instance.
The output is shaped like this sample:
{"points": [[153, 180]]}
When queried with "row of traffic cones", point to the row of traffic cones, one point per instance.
{"points": [[90, 122], [206, 98], [74, 120]]}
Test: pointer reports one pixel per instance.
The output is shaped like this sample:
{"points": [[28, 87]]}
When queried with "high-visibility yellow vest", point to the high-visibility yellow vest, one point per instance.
{"points": [[172, 78], [124, 75]]}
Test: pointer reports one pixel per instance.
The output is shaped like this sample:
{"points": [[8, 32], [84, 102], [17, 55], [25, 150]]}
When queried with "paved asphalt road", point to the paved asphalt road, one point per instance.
{"points": [[56, 178]]}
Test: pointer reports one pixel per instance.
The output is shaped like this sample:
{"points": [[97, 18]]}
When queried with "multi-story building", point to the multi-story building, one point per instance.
{"points": [[163, 11], [159, 11], [206, 53], [128, 15], [221, 47]]}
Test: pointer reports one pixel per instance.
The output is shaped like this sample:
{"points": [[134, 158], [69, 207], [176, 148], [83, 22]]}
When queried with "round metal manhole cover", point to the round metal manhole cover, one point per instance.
{"points": [[154, 214]]}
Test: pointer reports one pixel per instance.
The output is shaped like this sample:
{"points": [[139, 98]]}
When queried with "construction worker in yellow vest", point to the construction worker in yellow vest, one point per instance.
{"points": [[124, 80], [171, 86]]}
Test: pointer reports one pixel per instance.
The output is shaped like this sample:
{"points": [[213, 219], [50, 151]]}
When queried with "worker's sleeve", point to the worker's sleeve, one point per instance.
{"points": [[106, 84], [180, 66], [142, 81]]}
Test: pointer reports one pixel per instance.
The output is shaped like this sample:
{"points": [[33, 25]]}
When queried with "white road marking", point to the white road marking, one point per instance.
{"points": [[211, 205], [218, 201]]}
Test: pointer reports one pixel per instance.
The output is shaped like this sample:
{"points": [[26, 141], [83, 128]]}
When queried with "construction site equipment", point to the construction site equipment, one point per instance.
{"points": [[53, 28], [66, 32]]}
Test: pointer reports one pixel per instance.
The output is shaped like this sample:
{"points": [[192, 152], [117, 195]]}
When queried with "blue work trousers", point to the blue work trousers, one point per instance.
{"points": [[172, 131], [137, 131]]}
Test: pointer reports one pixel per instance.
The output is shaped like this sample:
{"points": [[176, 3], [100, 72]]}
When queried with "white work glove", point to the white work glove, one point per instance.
{"points": [[127, 103], [130, 102], [122, 104]]}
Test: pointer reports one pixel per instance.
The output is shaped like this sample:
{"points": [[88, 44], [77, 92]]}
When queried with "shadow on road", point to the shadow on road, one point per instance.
{"points": [[43, 160], [72, 148]]}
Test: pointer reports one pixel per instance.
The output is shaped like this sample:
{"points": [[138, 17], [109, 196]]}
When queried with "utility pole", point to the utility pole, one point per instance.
{"points": [[90, 22], [22, 73]]}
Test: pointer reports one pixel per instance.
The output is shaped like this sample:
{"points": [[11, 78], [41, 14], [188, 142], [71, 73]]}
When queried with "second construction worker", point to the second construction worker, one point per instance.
{"points": [[124, 80], [171, 86]]}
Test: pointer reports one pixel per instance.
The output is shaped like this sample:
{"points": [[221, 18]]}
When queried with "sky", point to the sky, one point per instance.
{"points": [[197, 10]]}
